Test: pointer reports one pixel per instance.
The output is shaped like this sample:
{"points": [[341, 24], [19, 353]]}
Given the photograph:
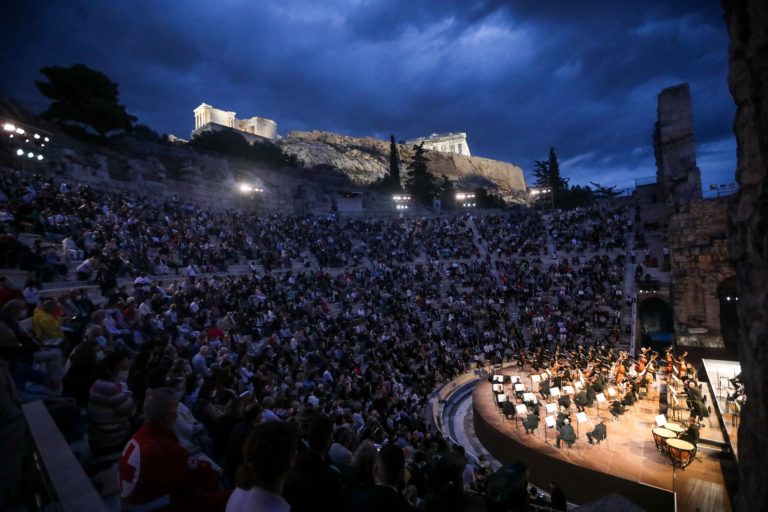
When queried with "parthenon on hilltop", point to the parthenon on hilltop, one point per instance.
{"points": [[211, 118], [445, 142]]}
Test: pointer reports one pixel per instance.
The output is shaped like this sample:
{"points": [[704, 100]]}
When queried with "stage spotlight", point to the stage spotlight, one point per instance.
{"points": [[20, 152], [30, 154], [39, 157], [20, 131], [37, 135], [46, 139], [9, 127]]}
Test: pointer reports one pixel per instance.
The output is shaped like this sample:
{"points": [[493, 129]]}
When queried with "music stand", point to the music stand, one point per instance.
{"points": [[529, 397], [554, 392], [661, 420], [578, 385], [519, 389], [600, 400], [611, 392], [500, 399], [549, 422], [535, 379], [521, 409], [498, 388], [515, 379], [551, 408], [499, 379], [568, 390], [581, 417]]}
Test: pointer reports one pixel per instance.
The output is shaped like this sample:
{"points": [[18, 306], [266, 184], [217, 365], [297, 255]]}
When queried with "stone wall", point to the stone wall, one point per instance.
{"points": [[674, 146], [700, 262], [748, 226], [365, 159]]}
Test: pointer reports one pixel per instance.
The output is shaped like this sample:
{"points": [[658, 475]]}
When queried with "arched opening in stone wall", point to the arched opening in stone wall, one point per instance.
{"points": [[729, 319], [655, 321]]}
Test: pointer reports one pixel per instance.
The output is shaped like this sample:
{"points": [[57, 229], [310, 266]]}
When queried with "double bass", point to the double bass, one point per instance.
{"points": [[682, 368]]}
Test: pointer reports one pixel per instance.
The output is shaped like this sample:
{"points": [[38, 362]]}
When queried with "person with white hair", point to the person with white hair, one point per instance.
{"points": [[157, 473]]}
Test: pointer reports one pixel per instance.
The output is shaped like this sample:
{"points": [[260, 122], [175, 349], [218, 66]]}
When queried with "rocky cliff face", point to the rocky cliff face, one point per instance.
{"points": [[748, 80], [365, 159], [167, 171]]}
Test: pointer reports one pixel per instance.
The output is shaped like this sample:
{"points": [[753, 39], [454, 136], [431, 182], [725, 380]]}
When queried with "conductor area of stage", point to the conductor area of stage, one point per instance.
{"points": [[629, 461]]}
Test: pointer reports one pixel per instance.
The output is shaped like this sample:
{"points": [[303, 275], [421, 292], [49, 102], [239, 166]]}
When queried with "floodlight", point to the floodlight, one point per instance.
{"points": [[46, 139], [37, 135], [9, 127], [20, 152], [245, 188], [30, 154], [39, 157], [20, 131]]}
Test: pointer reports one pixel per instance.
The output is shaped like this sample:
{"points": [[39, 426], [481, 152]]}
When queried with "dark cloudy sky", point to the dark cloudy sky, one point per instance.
{"points": [[517, 76]]}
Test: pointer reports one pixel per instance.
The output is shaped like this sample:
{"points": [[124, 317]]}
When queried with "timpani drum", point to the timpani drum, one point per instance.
{"points": [[674, 427], [660, 435], [680, 452]]}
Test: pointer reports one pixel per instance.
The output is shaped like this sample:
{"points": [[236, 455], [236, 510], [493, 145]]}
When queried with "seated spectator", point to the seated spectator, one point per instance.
{"points": [[50, 369], [339, 452], [269, 454], [388, 473], [8, 292], [111, 408], [46, 325], [156, 472], [82, 367], [313, 484]]}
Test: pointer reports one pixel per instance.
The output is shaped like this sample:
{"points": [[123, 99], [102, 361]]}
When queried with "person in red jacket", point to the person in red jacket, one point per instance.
{"points": [[157, 473]]}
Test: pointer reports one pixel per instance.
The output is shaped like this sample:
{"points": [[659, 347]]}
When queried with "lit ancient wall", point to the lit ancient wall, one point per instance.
{"points": [[700, 262]]}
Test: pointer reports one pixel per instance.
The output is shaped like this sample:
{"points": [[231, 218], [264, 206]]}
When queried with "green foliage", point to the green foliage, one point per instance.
{"points": [[547, 173], [84, 97], [602, 192], [232, 143], [390, 184], [420, 183], [575, 197]]}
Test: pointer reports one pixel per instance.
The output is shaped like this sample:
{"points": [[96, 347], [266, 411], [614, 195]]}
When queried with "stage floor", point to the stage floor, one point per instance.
{"points": [[629, 452]]}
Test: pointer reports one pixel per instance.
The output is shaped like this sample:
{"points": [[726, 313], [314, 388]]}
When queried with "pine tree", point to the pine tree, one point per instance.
{"points": [[420, 183], [393, 181]]}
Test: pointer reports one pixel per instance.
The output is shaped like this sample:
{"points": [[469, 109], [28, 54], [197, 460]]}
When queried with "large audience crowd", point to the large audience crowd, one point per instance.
{"points": [[319, 359]]}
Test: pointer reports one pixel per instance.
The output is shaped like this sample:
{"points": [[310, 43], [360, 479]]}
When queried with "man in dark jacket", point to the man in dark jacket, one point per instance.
{"points": [[598, 433], [313, 484], [566, 434], [384, 496]]}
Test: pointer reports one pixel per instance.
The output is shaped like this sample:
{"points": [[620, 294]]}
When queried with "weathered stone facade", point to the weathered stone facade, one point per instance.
{"points": [[675, 147], [748, 236], [700, 263]]}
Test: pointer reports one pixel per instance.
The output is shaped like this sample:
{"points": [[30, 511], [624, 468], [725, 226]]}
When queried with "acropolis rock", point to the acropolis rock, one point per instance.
{"points": [[365, 159]]}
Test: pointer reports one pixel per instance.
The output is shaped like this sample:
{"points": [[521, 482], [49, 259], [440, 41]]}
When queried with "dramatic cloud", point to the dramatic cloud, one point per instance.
{"points": [[519, 77]]}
